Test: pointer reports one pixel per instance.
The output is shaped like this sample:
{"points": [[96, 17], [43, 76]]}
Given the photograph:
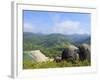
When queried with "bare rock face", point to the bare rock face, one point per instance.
{"points": [[70, 53], [38, 56], [84, 52]]}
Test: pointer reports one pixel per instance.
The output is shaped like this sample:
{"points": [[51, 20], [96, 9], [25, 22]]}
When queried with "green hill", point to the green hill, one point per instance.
{"points": [[51, 44]]}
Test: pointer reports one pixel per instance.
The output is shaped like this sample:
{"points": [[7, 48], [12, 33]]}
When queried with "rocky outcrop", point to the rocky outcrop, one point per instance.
{"points": [[58, 58], [37, 56], [84, 52], [70, 53]]}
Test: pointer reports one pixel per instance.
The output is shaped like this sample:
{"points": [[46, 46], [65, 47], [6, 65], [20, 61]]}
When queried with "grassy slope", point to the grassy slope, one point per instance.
{"points": [[53, 64], [50, 45]]}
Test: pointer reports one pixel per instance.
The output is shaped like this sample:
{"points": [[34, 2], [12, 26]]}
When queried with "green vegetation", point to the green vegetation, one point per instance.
{"points": [[53, 64], [51, 46]]}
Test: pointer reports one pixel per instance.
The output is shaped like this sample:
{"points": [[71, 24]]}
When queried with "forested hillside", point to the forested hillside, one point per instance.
{"points": [[51, 44]]}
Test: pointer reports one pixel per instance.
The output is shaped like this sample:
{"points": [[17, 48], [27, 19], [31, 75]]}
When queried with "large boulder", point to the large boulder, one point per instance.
{"points": [[84, 52], [38, 56], [70, 53]]}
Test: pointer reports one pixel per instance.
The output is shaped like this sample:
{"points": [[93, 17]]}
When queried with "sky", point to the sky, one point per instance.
{"points": [[47, 22]]}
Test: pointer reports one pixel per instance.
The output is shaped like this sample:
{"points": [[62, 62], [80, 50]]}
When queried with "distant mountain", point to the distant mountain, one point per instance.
{"points": [[52, 39], [79, 38], [47, 41]]}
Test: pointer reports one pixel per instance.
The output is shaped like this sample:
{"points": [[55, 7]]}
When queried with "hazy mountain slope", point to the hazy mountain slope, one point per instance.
{"points": [[51, 44]]}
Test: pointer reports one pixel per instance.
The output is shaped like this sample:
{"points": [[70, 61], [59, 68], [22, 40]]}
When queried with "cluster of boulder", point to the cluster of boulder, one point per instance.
{"points": [[70, 53], [82, 52]]}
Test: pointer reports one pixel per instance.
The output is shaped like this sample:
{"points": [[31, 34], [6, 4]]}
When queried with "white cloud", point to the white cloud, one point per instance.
{"points": [[29, 27], [68, 27], [64, 27]]}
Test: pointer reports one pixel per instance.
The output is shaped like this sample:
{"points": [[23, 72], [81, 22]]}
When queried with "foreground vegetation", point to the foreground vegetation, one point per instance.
{"points": [[52, 64]]}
